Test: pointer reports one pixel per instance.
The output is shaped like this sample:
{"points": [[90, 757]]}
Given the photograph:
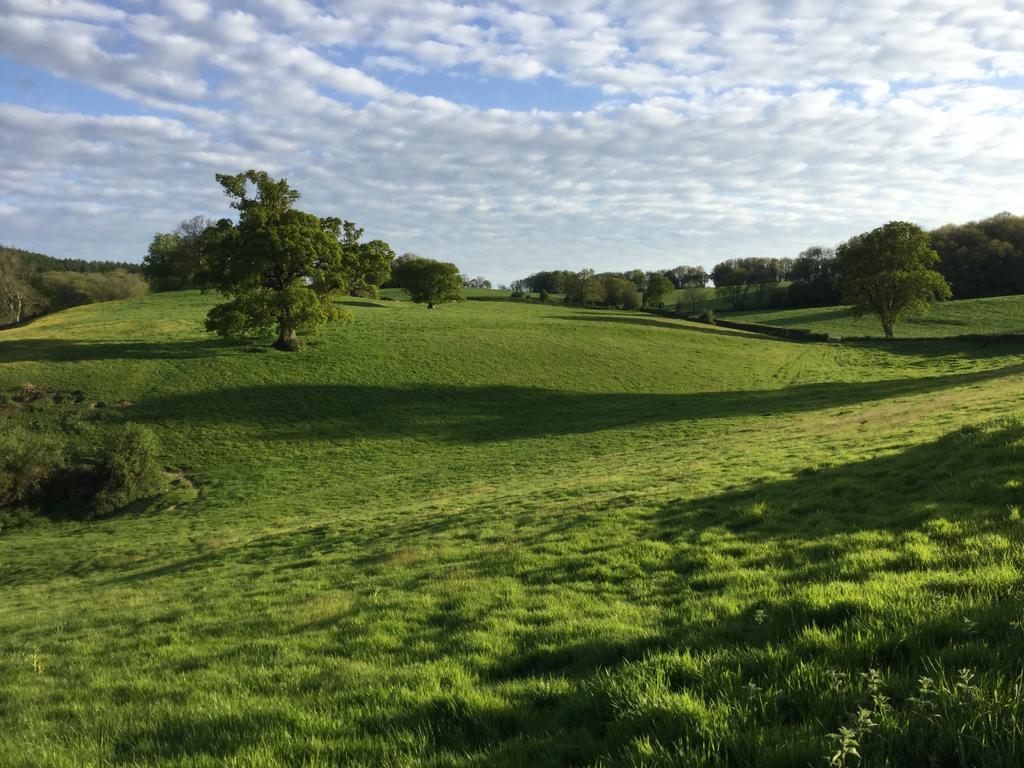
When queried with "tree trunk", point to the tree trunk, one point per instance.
{"points": [[887, 327], [17, 310], [287, 339]]}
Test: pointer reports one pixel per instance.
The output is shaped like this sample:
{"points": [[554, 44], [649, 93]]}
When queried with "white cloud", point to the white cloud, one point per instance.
{"points": [[727, 128]]}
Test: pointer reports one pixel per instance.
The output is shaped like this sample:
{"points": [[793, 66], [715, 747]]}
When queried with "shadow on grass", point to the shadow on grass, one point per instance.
{"points": [[977, 347], [180, 736], [485, 414], [649, 322], [556, 699], [63, 350], [795, 321]]}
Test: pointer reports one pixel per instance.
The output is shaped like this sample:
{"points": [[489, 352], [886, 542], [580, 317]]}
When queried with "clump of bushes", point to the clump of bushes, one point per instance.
{"points": [[39, 475], [27, 461], [71, 289], [128, 470]]}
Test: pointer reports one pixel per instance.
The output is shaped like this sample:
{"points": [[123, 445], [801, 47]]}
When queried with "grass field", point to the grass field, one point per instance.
{"points": [[1001, 314], [505, 534]]}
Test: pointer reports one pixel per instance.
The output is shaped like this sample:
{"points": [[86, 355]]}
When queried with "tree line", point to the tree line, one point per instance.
{"points": [[33, 284], [977, 259]]}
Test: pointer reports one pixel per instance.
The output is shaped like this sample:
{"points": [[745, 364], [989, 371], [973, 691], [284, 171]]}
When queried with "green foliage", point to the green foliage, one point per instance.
{"points": [[129, 469], [736, 279], [688, 277], [620, 293], [890, 272], [72, 289], [38, 262], [431, 282], [982, 258], [176, 260], [584, 289], [32, 284], [280, 267], [657, 288], [19, 297], [814, 279], [27, 461]]}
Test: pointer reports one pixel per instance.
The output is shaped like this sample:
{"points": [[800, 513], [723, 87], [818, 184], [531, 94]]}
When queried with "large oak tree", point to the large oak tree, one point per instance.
{"points": [[890, 272], [281, 267]]}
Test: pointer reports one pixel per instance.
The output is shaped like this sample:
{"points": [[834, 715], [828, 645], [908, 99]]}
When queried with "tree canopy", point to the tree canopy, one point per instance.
{"points": [[175, 259], [982, 258], [279, 266], [658, 286], [430, 282], [890, 272]]}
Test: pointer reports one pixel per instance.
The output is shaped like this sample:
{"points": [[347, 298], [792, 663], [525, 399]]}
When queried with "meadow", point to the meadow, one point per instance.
{"points": [[999, 314], [500, 533]]}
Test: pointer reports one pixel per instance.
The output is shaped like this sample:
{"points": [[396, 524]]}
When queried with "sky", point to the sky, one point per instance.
{"points": [[513, 137]]}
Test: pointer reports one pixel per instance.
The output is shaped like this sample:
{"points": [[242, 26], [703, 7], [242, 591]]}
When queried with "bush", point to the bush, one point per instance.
{"points": [[544, 295], [708, 316], [27, 461], [129, 470], [71, 289]]}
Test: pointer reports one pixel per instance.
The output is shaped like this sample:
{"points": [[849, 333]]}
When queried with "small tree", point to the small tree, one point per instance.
{"points": [[620, 293], [658, 286], [584, 288], [694, 293], [281, 266], [174, 259], [890, 272], [732, 281], [432, 282], [17, 291]]}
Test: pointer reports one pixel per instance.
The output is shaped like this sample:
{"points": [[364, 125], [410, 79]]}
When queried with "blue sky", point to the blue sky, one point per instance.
{"points": [[512, 137]]}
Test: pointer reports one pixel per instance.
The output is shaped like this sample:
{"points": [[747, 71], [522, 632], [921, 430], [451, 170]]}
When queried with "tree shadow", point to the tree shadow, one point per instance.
{"points": [[974, 346], [65, 350], [496, 413], [798, 321], [678, 325]]}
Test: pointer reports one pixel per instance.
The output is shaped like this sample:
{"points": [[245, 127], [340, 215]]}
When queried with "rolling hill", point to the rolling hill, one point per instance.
{"points": [[996, 315], [505, 534]]}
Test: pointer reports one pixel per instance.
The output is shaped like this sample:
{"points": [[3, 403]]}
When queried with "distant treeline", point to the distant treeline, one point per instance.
{"points": [[33, 284], [43, 263], [980, 258]]}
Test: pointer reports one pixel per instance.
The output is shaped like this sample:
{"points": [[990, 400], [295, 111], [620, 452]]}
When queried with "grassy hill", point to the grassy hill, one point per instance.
{"points": [[1000, 314], [503, 534]]}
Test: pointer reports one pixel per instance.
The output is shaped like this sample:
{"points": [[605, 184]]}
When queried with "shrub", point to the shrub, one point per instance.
{"points": [[27, 461], [708, 316], [544, 295], [129, 470], [70, 289]]}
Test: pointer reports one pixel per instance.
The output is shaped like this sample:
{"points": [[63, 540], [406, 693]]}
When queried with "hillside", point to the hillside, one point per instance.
{"points": [[504, 534], [1000, 314]]}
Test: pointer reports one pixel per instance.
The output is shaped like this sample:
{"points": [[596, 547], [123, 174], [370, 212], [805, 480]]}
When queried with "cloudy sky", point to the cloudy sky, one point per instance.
{"points": [[511, 137]]}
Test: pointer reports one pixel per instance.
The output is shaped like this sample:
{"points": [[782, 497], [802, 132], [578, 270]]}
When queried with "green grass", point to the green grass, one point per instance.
{"points": [[504, 534], [1001, 314]]}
